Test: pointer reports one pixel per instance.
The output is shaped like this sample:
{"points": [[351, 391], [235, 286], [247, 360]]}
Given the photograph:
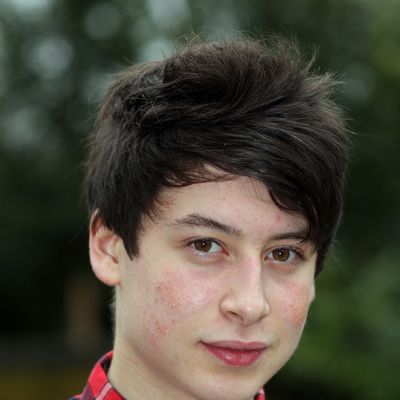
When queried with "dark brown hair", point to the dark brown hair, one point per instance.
{"points": [[241, 106]]}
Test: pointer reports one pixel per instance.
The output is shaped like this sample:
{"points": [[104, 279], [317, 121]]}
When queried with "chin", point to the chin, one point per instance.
{"points": [[228, 387]]}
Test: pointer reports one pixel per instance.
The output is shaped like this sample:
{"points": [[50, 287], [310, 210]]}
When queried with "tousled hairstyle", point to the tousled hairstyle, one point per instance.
{"points": [[243, 107]]}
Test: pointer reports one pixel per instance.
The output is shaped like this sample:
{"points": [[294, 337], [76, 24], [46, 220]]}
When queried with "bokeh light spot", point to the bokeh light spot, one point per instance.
{"points": [[102, 21], [49, 57]]}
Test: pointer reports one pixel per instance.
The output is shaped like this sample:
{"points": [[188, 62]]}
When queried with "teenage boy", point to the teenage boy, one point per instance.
{"points": [[215, 187]]}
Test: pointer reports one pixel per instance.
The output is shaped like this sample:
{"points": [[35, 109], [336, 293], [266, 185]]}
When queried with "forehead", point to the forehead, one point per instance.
{"points": [[239, 202]]}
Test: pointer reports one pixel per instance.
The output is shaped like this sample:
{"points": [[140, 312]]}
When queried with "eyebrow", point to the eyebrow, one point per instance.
{"points": [[300, 235], [202, 221]]}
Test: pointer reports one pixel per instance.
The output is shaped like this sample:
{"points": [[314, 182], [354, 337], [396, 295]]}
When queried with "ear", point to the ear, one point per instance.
{"points": [[103, 252]]}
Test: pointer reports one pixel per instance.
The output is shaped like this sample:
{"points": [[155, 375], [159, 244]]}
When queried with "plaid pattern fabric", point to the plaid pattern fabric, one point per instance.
{"points": [[98, 386]]}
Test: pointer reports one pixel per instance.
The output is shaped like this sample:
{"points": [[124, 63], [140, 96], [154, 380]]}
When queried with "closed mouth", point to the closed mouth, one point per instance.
{"points": [[236, 353]]}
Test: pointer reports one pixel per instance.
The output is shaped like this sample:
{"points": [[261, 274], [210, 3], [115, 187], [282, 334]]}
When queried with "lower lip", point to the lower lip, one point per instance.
{"points": [[240, 358]]}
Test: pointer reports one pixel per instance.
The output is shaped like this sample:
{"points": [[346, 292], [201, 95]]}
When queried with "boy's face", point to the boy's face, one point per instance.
{"points": [[215, 302]]}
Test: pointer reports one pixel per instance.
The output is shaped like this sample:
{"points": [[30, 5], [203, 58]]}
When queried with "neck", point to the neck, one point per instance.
{"points": [[134, 381]]}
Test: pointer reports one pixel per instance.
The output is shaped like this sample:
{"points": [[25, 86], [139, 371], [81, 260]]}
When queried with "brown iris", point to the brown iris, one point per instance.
{"points": [[281, 255], [203, 245]]}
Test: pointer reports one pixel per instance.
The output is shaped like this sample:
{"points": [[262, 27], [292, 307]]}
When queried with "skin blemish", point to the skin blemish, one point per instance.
{"points": [[298, 299], [160, 328], [176, 298], [154, 328], [179, 293], [169, 294]]}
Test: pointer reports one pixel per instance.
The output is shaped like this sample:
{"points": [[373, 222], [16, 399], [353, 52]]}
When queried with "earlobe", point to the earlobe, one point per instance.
{"points": [[103, 252]]}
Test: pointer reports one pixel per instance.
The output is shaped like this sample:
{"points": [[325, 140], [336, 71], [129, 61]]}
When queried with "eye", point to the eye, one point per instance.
{"points": [[206, 246], [284, 255]]}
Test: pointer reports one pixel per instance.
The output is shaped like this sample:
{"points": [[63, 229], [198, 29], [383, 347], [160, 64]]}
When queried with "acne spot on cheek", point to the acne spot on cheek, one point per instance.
{"points": [[154, 328], [175, 298], [167, 292], [180, 294], [296, 308]]}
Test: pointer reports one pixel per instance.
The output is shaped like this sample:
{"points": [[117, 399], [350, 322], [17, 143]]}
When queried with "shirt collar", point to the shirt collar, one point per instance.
{"points": [[99, 387]]}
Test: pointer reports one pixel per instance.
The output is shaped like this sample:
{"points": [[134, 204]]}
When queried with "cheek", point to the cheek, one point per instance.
{"points": [[297, 301], [177, 298], [182, 294], [154, 327]]}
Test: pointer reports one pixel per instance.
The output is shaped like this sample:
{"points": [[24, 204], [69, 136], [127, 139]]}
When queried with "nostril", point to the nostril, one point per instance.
{"points": [[247, 308]]}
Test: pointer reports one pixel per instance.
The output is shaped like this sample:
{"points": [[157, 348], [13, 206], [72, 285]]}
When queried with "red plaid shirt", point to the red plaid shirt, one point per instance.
{"points": [[99, 387]]}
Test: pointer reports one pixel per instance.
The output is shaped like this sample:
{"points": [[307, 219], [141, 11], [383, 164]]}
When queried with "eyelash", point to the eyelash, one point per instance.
{"points": [[294, 252], [205, 253]]}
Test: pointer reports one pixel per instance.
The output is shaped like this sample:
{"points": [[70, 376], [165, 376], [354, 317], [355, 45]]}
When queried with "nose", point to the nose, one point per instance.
{"points": [[245, 299]]}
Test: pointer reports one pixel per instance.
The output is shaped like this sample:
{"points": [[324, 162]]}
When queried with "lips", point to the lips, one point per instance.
{"points": [[236, 353]]}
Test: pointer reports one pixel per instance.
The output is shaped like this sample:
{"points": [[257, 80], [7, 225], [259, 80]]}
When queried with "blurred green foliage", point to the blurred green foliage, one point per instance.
{"points": [[55, 60]]}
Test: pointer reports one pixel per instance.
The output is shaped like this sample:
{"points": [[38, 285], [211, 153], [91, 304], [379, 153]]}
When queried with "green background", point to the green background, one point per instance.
{"points": [[56, 58]]}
